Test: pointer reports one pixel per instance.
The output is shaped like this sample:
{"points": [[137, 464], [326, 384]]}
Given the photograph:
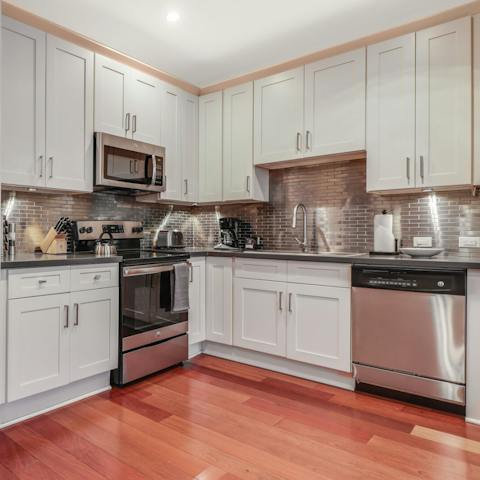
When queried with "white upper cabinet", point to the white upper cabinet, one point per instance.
{"points": [[171, 140], [278, 120], [127, 102], [143, 103], [241, 180], [419, 109], [210, 148], [189, 140], [69, 130], [23, 104], [111, 84], [335, 104], [391, 114], [444, 104]]}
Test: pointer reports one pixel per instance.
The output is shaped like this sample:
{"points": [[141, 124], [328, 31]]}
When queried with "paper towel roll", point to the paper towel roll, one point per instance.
{"points": [[383, 238]]}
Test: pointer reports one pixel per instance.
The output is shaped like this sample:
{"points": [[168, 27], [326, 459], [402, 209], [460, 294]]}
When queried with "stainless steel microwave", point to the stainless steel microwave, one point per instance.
{"points": [[128, 165]]}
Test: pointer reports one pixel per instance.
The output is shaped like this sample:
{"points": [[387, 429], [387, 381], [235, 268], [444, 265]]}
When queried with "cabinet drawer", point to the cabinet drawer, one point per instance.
{"points": [[32, 282], [319, 273], [257, 268], [94, 276]]}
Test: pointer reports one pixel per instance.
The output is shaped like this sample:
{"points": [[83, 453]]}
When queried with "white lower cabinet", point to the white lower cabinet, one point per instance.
{"points": [[219, 300], [318, 326], [56, 339], [259, 315], [196, 293], [37, 344], [93, 339]]}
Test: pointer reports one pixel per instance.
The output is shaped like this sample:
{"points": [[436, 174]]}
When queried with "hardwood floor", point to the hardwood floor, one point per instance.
{"points": [[214, 419]]}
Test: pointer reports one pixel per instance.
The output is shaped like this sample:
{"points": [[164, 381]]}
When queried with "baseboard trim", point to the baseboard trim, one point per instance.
{"points": [[281, 365], [474, 421]]}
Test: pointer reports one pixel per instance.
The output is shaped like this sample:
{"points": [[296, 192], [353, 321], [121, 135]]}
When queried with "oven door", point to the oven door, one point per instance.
{"points": [[126, 163], [147, 315]]}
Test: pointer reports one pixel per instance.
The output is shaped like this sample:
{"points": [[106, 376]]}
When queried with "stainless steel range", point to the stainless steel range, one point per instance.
{"points": [[408, 330], [153, 299]]}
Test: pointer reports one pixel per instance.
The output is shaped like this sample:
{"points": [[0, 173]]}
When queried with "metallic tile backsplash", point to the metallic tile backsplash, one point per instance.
{"points": [[340, 212]]}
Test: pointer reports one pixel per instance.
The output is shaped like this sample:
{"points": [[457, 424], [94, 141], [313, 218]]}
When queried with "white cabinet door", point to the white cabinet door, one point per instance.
{"points": [[444, 104], [196, 294], [144, 104], [238, 142], [335, 104], [259, 315], [3, 335], [219, 300], [38, 345], [111, 90], [318, 326], [93, 332], [210, 148], [171, 140], [23, 104], [189, 147], [69, 144], [391, 114], [278, 122]]}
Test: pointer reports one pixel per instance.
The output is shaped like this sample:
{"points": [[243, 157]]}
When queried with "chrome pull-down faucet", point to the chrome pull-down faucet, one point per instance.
{"points": [[304, 244]]}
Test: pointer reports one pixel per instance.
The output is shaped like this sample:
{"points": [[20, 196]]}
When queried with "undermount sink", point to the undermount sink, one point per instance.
{"points": [[296, 252]]}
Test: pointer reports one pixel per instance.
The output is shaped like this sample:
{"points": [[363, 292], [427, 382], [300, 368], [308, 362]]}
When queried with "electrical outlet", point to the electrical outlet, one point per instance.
{"points": [[422, 241], [469, 242]]}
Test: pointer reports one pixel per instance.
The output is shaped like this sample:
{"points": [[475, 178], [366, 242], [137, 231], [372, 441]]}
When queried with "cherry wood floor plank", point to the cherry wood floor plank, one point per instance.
{"points": [[21, 463], [208, 452], [48, 453], [448, 439], [98, 459], [6, 474]]}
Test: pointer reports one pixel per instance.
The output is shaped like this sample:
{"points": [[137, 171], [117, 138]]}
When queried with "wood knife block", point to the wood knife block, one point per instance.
{"points": [[54, 243]]}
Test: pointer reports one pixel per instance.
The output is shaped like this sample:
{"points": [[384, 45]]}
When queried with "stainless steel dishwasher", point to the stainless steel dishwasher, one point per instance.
{"points": [[408, 330]]}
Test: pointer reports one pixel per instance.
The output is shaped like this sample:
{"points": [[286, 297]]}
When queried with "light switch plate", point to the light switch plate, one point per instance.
{"points": [[422, 241], [469, 242]]}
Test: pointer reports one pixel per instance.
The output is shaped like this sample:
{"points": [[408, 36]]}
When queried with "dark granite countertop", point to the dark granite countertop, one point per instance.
{"points": [[28, 260], [440, 261]]}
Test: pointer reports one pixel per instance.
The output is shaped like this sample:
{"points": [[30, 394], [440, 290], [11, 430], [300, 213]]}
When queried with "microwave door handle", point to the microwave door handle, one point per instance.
{"points": [[154, 169]]}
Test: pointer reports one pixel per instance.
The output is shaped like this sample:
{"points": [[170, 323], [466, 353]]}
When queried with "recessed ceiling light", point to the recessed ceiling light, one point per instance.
{"points": [[173, 17]]}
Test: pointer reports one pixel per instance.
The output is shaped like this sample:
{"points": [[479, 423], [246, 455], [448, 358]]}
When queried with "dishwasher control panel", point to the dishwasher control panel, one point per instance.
{"points": [[410, 279]]}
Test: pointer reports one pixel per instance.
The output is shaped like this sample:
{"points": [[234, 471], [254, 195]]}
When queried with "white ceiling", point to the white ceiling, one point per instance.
{"points": [[215, 40]]}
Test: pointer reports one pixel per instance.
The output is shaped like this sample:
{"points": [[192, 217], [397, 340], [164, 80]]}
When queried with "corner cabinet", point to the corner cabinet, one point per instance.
{"points": [[127, 101], [47, 110], [69, 335], [419, 109], [241, 180], [210, 170], [219, 304]]}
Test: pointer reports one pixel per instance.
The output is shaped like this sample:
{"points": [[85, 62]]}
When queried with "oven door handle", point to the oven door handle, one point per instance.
{"points": [[135, 271]]}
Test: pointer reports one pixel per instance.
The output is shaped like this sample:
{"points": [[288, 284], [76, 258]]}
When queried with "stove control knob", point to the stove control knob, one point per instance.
{"points": [[441, 283], [89, 229], [82, 230]]}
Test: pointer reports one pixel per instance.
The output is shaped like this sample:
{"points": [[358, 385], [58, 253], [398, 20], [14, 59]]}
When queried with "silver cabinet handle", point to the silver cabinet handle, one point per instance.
{"points": [[290, 302], [280, 301], [408, 168], [131, 167], [135, 166], [41, 166], [134, 123], [65, 309], [248, 183], [186, 186], [191, 272], [42, 281], [422, 168], [51, 167], [127, 122], [97, 276], [75, 310], [299, 141], [307, 139]]}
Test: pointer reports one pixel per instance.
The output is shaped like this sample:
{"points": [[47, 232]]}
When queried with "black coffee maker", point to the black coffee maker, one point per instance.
{"points": [[229, 236]]}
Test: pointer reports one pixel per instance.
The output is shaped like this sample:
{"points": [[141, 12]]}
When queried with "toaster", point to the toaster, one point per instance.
{"points": [[168, 239]]}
